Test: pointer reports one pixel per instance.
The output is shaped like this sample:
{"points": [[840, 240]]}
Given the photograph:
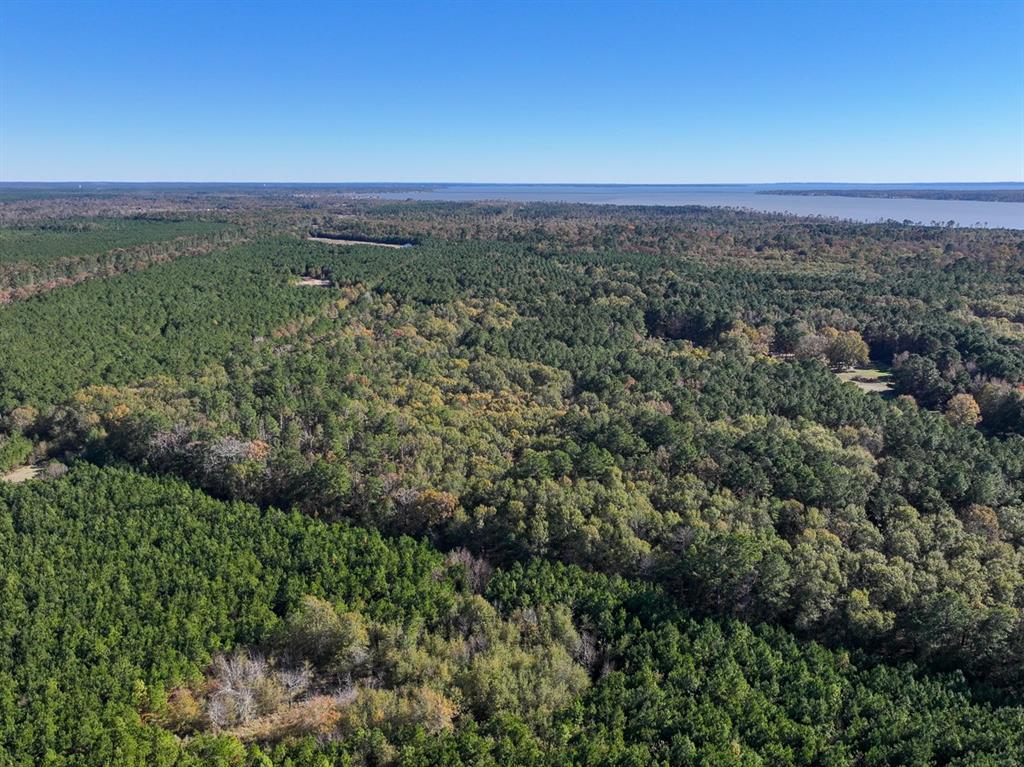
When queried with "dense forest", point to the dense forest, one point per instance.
{"points": [[41, 255], [558, 484]]}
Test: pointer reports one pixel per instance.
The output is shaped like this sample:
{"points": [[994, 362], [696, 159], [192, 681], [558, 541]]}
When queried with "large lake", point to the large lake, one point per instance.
{"points": [[962, 212]]}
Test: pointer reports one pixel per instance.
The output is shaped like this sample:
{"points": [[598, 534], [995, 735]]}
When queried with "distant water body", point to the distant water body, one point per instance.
{"points": [[745, 196]]}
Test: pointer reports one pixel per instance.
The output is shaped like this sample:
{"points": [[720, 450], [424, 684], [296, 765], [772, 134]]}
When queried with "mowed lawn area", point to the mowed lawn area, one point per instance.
{"points": [[875, 379]]}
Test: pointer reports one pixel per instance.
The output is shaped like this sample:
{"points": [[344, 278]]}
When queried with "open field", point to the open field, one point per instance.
{"points": [[21, 474], [338, 241], [869, 379]]}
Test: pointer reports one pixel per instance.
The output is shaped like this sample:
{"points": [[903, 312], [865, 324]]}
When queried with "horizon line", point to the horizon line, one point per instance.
{"points": [[519, 183]]}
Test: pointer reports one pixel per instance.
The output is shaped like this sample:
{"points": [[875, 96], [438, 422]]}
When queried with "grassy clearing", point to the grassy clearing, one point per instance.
{"points": [[21, 474], [874, 379], [336, 241]]}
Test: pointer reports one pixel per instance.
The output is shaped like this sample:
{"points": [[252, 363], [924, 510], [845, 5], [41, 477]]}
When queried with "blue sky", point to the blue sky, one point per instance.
{"points": [[512, 92]]}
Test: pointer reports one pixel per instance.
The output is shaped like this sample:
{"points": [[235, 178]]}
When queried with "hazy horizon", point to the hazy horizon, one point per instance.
{"points": [[821, 184], [984, 204]]}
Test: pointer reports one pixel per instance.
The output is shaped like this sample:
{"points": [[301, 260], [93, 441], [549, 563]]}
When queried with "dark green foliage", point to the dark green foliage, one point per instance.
{"points": [[153, 577], [116, 587], [172, 318], [40, 244], [14, 449]]}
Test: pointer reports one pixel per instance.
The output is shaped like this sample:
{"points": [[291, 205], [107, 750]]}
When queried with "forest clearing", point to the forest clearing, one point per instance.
{"points": [[21, 474], [870, 379], [341, 241]]}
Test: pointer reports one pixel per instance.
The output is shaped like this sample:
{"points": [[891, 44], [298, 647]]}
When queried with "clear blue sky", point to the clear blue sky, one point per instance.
{"points": [[574, 92]]}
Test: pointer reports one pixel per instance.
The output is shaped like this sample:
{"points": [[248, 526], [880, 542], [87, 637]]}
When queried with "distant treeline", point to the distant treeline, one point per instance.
{"points": [[978, 195], [43, 191]]}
